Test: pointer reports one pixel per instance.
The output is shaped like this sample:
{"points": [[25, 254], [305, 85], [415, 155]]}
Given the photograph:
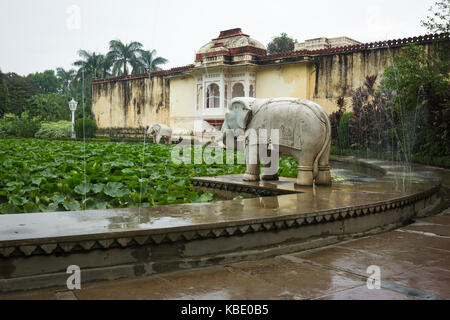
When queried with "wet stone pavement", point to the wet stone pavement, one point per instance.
{"points": [[414, 263]]}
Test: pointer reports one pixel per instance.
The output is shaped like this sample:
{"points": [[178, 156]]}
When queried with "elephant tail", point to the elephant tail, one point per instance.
{"points": [[326, 121]]}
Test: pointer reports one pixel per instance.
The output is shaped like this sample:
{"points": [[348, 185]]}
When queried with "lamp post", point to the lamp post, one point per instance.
{"points": [[73, 106]]}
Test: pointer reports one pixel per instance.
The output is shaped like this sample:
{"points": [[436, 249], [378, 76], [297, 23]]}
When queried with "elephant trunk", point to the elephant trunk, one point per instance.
{"points": [[230, 134], [326, 121], [224, 132]]}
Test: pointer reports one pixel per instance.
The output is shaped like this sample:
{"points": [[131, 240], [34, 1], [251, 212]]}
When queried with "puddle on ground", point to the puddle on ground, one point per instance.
{"points": [[349, 174]]}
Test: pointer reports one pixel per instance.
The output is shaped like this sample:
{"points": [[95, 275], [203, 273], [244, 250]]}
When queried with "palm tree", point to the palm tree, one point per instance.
{"points": [[66, 77], [107, 65], [124, 55], [150, 62], [91, 63]]}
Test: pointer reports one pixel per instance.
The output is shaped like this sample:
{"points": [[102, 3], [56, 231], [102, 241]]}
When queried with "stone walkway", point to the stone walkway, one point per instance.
{"points": [[414, 263]]}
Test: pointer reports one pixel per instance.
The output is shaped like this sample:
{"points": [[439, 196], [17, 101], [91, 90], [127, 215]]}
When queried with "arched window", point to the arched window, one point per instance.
{"points": [[251, 94], [238, 90], [213, 96]]}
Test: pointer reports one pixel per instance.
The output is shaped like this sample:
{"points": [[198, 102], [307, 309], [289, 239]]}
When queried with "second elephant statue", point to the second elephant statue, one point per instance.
{"points": [[160, 131]]}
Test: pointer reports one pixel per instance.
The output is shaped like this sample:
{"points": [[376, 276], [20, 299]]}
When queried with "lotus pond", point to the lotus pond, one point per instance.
{"points": [[47, 175]]}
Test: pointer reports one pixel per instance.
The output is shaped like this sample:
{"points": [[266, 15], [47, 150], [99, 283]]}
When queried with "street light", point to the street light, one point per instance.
{"points": [[73, 106]]}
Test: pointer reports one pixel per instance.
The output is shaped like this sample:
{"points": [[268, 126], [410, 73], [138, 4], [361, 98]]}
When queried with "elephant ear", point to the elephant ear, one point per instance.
{"points": [[242, 113], [157, 128]]}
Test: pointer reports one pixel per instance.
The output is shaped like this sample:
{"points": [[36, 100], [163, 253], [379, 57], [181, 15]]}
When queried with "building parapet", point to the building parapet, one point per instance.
{"points": [[360, 47], [169, 72], [324, 43], [262, 58], [127, 77], [173, 71]]}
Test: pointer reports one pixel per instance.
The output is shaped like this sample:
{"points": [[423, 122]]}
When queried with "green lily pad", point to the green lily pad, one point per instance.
{"points": [[83, 188], [36, 180], [114, 189], [71, 205], [98, 187]]}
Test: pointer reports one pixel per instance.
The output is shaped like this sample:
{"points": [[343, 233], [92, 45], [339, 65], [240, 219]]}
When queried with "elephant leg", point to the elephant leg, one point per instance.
{"points": [[324, 176], [158, 139], [252, 160], [305, 169], [252, 172], [270, 172], [305, 176], [168, 140], [270, 177]]}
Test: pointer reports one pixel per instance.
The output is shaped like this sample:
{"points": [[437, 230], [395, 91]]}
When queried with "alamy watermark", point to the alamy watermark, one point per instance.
{"points": [[374, 281], [256, 146], [74, 280], [73, 21]]}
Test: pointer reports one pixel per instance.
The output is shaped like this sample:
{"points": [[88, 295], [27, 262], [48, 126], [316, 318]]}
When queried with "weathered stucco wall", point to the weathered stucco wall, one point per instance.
{"points": [[182, 102], [131, 103], [287, 80], [338, 74], [325, 78]]}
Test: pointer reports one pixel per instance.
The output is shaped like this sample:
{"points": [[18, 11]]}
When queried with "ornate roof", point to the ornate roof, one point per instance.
{"points": [[231, 42]]}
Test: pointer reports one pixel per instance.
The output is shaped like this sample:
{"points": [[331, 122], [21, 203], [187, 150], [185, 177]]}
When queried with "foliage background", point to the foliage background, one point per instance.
{"points": [[281, 43]]}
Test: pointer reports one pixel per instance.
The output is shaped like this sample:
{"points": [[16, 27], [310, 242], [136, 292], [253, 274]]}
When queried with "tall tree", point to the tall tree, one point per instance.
{"points": [[91, 63], [422, 89], [65, 77], [107, 65], [438, 21], [20, 89], [46, 81], [150, 62], [124, 55], [3, 95], [281, 43], [49, 107], [439, 18]]}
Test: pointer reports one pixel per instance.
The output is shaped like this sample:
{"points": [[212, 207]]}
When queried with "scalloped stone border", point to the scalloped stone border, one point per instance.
{"points": [[122, 240], [38, 263]]}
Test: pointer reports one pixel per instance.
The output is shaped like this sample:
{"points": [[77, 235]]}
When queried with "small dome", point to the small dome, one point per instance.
{"points": [[232, 39]]}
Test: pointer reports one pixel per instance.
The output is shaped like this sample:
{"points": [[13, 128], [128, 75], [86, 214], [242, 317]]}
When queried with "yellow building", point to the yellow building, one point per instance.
{"points": [[226, 67], [196, 97]]}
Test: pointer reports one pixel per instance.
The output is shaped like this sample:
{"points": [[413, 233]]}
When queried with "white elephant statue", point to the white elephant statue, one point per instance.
{"points": [[304, 133], [158, 131]]}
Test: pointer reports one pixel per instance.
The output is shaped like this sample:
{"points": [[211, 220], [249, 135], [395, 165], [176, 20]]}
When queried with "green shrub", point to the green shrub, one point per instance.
{"points": [[335, 118], [86, 126], [54, 130], [421, 84], [26, 126], [122, 132], [49, 106], [23, 126], [7, 125], [443, 162], [343, 131]]}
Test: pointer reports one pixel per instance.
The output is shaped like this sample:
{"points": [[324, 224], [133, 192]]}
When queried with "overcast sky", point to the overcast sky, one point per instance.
{"points": [[36, 35]]}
